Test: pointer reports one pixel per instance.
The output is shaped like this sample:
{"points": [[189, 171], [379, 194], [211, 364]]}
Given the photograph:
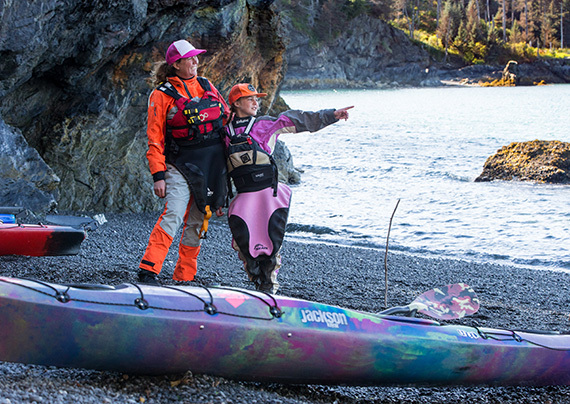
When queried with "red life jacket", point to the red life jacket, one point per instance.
{"points": [[197, 119]]}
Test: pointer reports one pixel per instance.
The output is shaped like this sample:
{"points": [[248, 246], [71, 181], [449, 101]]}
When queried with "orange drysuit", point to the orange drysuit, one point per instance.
{"points": [[180, 204]]}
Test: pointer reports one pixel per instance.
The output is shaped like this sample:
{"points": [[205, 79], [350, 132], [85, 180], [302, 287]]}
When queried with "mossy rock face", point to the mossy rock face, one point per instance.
{"points": [[538, 161]]}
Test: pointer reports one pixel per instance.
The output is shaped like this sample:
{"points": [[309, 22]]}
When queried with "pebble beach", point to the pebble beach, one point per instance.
{"points": [[511, 298]]}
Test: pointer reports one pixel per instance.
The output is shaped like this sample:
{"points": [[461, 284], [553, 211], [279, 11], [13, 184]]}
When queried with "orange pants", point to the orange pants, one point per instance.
{"points": [[180, 208]]}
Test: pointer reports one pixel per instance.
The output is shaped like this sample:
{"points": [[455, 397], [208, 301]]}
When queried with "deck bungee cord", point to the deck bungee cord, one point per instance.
{"points": [[512, 335], [141, 303]]}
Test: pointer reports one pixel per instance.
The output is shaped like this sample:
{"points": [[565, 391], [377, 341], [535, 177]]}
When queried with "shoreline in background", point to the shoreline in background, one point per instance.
{"points": [[422, 254]]}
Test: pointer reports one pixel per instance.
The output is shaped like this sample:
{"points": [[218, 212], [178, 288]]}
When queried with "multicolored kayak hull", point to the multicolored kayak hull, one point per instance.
{"points": [[247, 335], [39, 239]]}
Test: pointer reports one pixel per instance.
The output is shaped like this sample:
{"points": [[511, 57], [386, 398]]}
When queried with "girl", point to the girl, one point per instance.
{"points": [[257, 216]]}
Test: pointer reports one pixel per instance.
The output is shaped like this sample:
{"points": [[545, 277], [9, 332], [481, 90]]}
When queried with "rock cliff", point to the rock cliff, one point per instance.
{"points": [[540, 161], [73, 84], [369, 53], [25, 180]]}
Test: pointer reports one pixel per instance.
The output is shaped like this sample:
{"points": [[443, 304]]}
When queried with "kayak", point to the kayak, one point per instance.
{"points": [[39, 239], [253, 336]]}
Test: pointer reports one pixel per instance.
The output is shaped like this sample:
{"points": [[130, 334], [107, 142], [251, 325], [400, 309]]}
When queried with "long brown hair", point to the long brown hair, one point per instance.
{"points": [[161, 71]]}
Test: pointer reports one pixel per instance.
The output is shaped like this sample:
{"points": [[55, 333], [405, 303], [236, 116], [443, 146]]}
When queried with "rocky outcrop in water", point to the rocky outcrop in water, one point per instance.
{"points": [[528, 74], [540, 161], [73, 83]]}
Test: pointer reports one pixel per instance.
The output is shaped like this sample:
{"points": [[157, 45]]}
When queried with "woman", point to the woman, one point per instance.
{"points": [[186, 159], [258, 214]]}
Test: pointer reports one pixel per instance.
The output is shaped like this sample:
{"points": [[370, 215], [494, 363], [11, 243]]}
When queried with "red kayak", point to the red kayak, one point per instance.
{"points": [[39, 239]]}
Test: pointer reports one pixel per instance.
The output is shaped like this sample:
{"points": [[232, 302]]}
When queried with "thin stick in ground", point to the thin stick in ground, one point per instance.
{"points": [[386, 257]]}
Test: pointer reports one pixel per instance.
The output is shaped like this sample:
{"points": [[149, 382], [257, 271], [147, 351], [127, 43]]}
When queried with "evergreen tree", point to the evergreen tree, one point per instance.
{"points": [[535, 23], [449, 25], [550, 26], [516, 34], [473, 27]]}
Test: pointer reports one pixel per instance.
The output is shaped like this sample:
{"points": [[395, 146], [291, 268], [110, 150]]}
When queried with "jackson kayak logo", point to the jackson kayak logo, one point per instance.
{"points": [[259, 247], [332, 320]]}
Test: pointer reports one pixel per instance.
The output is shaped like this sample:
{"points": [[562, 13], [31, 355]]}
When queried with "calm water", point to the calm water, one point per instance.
{"points": [[425, 147]]}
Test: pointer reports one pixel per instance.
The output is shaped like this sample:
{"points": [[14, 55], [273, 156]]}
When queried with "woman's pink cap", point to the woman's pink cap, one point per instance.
{"points": [[181, 49]]}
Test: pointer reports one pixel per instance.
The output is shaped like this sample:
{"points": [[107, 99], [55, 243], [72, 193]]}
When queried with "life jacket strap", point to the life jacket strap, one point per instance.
{"points": [[169, 89], [247, 129]]}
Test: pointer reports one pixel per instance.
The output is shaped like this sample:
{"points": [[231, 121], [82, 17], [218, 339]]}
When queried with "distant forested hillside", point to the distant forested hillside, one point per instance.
{"points": [[479, 31]]}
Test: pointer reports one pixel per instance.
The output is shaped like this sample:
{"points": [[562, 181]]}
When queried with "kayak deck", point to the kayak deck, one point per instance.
{"points": [[247, 335]]}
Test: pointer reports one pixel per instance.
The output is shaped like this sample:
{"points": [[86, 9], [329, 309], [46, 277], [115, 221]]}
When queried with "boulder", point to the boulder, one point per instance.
{"points": [[25, 179], [539, 161], [288, 174]]}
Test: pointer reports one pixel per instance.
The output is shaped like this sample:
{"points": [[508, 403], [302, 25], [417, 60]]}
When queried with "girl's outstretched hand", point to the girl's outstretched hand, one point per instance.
{"points": [[342, 113]]}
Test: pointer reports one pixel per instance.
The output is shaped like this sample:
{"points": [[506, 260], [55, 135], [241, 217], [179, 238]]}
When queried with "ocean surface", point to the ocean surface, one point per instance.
{"points": [[424, 147]]}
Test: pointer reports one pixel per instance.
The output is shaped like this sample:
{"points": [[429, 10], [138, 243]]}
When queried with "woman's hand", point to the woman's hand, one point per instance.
{"points": [[342, 113], [160, 188], [219, 212]]}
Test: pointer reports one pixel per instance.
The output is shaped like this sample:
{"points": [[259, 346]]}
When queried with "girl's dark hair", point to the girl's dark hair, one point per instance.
{"points": [[161, 71]]}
